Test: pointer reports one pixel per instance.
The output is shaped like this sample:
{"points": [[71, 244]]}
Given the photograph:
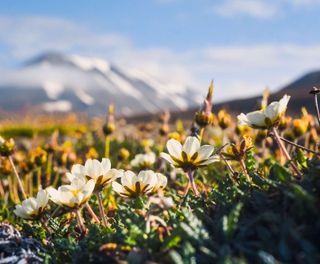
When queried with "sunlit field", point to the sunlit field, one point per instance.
{"points": [[221, 188]]}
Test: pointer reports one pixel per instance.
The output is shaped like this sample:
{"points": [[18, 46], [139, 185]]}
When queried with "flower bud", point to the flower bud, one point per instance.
{"points": [[300, 126], [6, 147], [224, 119], [164, 119], [289, 135], [242, 130], [5, 166], [202, 119], [265, 98], [108, 129], [175, 135], [164, 129], [261, 135], [284, 123], [205, 117], [109, 126], [92, 153], [38, 156], [123, 154]]}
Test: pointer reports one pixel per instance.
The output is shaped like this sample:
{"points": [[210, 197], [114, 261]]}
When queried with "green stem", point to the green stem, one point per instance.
{"points": [[49, 170], [107, 147], [30, 182], [201, 134]]}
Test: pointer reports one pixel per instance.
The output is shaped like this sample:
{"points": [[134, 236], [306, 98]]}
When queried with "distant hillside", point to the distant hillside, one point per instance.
{"points": [[57, 82], [298, 90]]}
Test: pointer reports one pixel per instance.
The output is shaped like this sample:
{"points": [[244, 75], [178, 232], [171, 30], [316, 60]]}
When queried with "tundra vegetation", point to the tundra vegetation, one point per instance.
{"points": [[218, 189]]}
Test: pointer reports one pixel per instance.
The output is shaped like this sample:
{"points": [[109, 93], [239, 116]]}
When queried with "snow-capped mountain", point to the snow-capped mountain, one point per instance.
{"points": [[58, 82]]}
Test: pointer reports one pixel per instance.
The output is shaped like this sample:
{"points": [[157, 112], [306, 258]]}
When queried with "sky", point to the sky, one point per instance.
{"points": [[243, 45]]}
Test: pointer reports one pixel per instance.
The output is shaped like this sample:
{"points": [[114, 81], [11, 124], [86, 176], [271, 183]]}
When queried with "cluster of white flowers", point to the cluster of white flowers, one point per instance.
{"points": [[90, 178], [94, 176]]}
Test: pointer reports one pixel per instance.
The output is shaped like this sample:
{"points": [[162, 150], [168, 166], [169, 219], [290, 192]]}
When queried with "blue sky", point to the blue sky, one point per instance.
{"points": [[244, 45]]}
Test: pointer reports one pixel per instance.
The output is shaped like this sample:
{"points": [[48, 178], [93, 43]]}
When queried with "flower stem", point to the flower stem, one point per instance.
{"points": [[91, 212], [44, 224], [317, 107], [2, 192], [102, 215], [39, 183], [80, 222], [299, 146], [284, 151], [192, 182], [228, 165], [186, 189], [49, 170], [30, 183], [244, 169], [201, 134], [107, 147], [18, 177]]}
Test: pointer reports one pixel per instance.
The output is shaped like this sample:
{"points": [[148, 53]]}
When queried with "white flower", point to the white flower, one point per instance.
{"points": [[161, 182], [133, 185], [189, 156], [144, 160], [265, 118], [32, 208], [101, 172], [73, 195]]}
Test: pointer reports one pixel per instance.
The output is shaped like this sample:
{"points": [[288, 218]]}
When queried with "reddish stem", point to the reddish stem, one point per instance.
{"points": [[284, 150]]}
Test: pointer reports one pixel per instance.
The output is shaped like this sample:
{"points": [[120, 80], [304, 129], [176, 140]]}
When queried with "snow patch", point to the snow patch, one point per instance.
{"points": [[90, 63], [57, 106], [124, 85], [84, 97], [53, 89]]}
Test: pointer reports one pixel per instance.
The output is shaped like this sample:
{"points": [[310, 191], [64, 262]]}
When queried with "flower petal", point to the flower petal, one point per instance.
{"points": [[128, 179], [93, 168], [191, 145], [212, 159], [167, 157], [284, 103], [272, 111], [118, 188], [42, 198], [105, 165], [256, 119], [54, 194], [174, 148], [204, 152], [78, 169], [162, 180]]}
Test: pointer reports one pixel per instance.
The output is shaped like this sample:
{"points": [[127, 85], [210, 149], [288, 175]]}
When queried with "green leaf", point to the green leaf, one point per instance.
{"points": [[229, 223]]}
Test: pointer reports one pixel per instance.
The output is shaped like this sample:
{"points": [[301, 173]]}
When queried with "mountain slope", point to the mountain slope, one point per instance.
{"points": [[298, 90], [59, 82]]}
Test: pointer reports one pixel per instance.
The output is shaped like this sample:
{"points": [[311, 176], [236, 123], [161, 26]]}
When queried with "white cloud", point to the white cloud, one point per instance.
{"points": [[252, 8], [237, 70]]}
